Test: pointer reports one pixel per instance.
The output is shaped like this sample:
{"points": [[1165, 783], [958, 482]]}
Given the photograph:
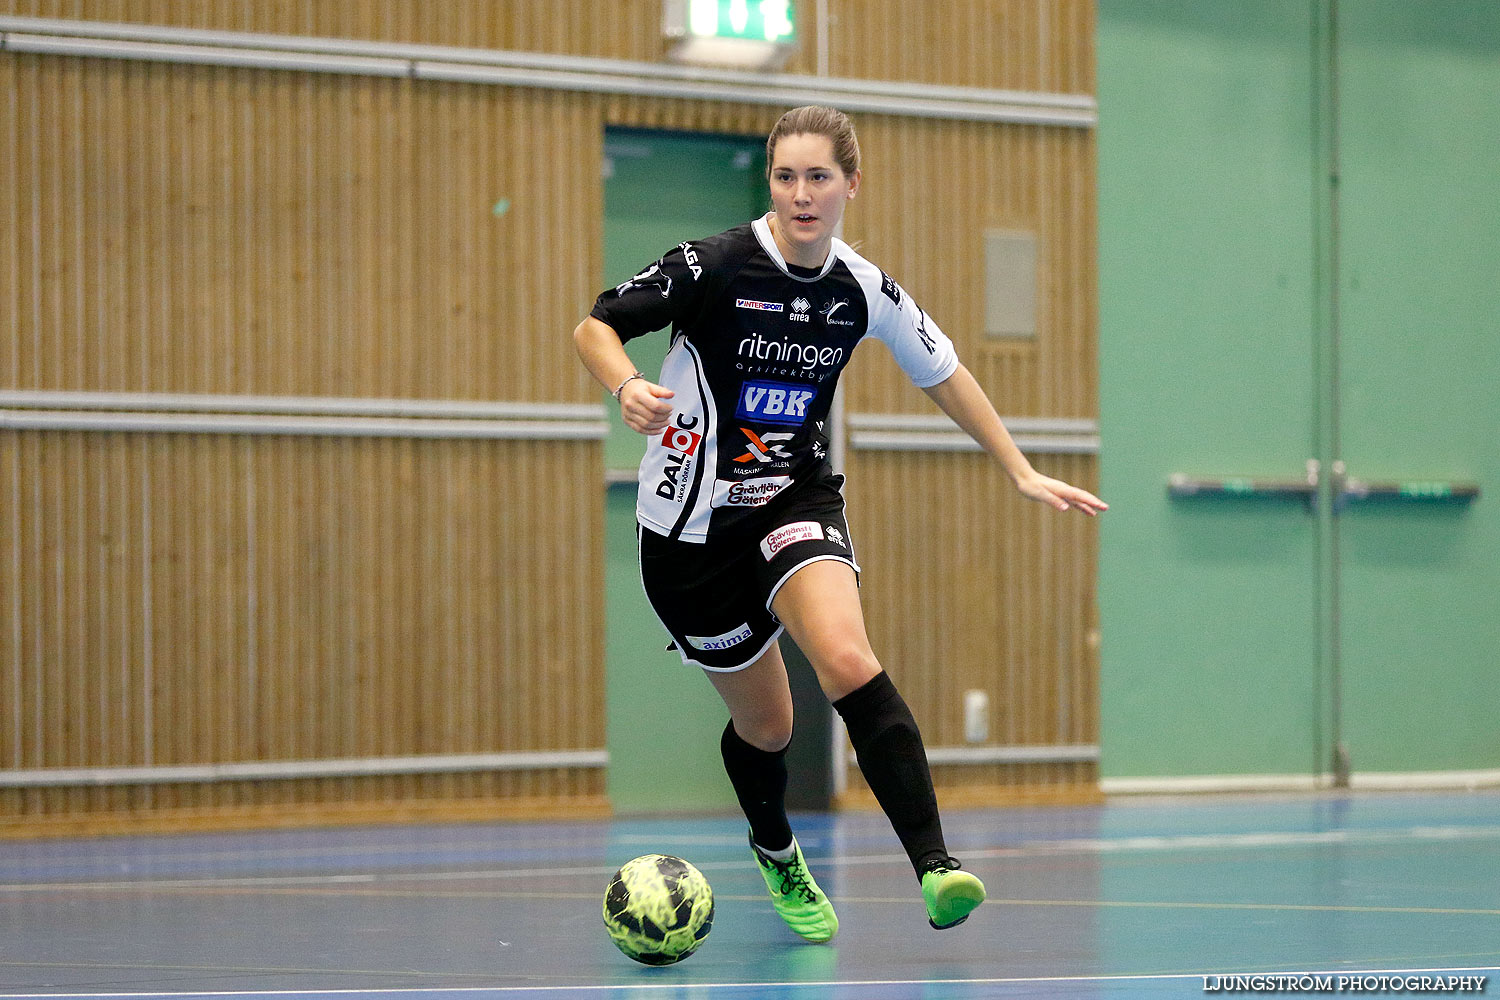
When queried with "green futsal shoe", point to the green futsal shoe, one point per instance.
{"points": [[796, 896], [951, 894]]}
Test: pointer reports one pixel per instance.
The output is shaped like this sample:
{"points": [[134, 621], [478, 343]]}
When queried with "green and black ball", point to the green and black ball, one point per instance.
{"points": [[658, 909]]}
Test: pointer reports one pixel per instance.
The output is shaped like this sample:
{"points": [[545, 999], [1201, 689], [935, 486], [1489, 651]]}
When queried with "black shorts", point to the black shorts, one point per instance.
{"points": [[715, 597]]}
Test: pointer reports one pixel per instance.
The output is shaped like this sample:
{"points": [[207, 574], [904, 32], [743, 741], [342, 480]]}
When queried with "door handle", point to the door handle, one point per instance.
{"points": [[1348, 491], [1181, 486]]}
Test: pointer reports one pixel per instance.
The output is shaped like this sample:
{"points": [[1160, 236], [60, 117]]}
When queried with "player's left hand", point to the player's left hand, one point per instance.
{"points": [[1056, 493]]}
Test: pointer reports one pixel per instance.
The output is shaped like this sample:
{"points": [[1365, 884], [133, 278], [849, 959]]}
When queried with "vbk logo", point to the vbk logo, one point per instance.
{"points": [[774, 402]]}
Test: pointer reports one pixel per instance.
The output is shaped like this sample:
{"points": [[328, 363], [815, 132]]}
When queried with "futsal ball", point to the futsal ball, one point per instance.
{"points": [[658, 909]]}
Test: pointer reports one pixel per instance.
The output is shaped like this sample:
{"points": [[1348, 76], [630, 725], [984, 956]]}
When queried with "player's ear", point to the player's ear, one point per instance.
{"points": [[854, 180]]}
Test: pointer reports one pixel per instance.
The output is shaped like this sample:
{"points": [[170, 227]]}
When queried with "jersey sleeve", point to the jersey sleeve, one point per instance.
{"points": [[657, 297], [919, 346]]}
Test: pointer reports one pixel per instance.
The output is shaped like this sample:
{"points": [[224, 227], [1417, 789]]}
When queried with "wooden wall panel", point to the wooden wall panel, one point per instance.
{"points": [[629, 29], [1036, 45], [235, 231], [1039, 45], [187, 599], [967, 585]]}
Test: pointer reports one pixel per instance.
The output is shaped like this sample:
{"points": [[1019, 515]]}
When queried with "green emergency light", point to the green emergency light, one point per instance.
{"points": [[741, 34]]}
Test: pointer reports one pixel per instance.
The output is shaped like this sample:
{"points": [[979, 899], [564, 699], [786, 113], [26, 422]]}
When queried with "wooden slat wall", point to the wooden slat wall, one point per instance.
{"points": [[190, 599], [202, 229], [1041, 45], [968, 586], [198, 229], [185, 599]]}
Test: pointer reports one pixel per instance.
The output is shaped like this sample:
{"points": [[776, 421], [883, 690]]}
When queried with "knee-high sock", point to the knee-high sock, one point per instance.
{"points": [[759, 780], [894, 762]]}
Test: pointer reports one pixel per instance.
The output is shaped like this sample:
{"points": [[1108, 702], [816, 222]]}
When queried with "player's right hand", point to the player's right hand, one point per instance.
{"points": [[644, 406]]}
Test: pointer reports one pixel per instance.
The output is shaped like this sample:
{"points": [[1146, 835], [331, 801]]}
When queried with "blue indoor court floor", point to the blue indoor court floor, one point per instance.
{"points": [[1137, 898]]}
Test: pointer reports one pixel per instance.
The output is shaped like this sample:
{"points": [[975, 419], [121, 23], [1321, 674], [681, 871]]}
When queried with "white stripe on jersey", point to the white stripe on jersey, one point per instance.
{"points": [[676, 478], [919, 346]]}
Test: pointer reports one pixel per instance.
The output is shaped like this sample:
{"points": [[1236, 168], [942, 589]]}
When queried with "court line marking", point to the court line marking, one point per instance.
{"points": [[657, 987], [378, 893], [1062, 844], [1191, 842], [157, 853], [382, 844]]}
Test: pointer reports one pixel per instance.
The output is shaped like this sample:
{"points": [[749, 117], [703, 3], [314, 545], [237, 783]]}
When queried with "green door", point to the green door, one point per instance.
{"points": [[663, 718], [1254, 315], [1419, 380], [1207, 299]]}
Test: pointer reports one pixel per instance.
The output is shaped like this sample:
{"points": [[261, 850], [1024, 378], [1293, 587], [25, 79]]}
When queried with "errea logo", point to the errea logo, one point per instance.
{"points": [[800, 309]]}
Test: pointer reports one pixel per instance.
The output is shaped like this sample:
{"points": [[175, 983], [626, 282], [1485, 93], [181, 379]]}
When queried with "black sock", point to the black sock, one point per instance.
{"points": [[894, 762], [759, 780]]}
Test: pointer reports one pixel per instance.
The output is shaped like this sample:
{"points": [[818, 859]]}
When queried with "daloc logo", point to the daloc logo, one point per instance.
{"points": [[774, 402]]}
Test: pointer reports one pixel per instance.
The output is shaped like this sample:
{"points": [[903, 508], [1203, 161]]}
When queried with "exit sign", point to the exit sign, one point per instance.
{"points": [[760, 20], [740, 33]]}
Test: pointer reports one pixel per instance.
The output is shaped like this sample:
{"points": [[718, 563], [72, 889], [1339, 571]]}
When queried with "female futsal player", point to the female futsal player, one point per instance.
{"points": [[741, 520]]}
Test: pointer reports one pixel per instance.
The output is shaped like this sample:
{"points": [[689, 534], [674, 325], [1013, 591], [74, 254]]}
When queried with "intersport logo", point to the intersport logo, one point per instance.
{"points": [[757, 305]]}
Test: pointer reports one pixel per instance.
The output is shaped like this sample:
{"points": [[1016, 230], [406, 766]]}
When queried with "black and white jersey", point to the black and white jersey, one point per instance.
{"points": [[757, 348]]}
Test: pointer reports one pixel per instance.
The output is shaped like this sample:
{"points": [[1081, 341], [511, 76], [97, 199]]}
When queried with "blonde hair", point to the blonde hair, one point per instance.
{"points": [[816, 119]]}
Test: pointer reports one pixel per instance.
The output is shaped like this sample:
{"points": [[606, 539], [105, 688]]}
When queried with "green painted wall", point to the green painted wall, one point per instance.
{"points": [[663, 719], [1247, 636]]}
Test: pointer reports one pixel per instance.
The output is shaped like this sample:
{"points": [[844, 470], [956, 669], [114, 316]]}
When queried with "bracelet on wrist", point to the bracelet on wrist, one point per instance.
{"points": [[621, 388]]}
